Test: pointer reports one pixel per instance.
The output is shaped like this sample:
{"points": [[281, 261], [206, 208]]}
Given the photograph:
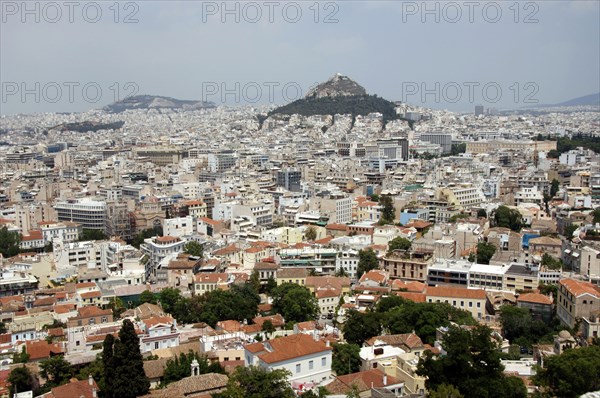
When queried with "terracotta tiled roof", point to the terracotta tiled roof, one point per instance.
{"points": [[409, 340], [378, 276], [546, 241], [364, 381], [535, 298], [93, 294], [217, 277], [410, 286], [290, 347], [416, 297], [153, 321], [91, 311], [277, 320], [156, 368], [337, 227], [34, 234], [286, 273], [84, 285], [41, 349], [578, 288], [457, 292], [76, 389]]}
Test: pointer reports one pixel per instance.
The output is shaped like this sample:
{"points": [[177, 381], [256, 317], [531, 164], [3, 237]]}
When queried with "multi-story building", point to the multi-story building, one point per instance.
{"points": [[474, 301], [290, 179], [441, 139], [321, 259], [91, 214], [308, 360], [158, 332], [65, 231], [576, 300], [408, 266], [157, 248]]}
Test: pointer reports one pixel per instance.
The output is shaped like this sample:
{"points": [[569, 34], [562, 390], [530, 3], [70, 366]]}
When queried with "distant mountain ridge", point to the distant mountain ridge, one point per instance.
{"points": [[155, 102], [338, 95], [592, 99]]}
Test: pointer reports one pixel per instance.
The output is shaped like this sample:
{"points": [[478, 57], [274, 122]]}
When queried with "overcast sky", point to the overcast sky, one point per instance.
{"points": [[546, 51]]}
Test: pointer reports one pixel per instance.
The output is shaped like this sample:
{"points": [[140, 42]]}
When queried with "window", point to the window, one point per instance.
{"points": [[311, 365], [478, 305], [298, 368], [156, 345], [324, 361]]}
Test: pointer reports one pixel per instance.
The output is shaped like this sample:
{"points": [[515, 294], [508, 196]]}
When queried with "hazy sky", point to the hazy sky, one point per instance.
{"points": [[547, 51]]}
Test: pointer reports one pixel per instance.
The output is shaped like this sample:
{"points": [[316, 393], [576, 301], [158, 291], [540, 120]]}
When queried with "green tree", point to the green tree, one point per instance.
{"points": [[374, 197], [570, 230], [508, 218], [459, 216], [258, 382], [96, 370], [360, 327], [21, 357], [345, 359], [367, 260], [21, 380], [311, 233], [194, 248], [56, 370], [268, 328], [91, 234], [147, 297], [399, 243], [115, 304], [481, 213], [471, 364], [294, 302], [554, 187], [551, 262], [485, 252], [445, 391], [168, 298], [423, 318], [519, 326], [388, 212], [596, 214], [9, 242], [3, 328], [108, 365], [129, 379], [572, 373], [457, 149]]}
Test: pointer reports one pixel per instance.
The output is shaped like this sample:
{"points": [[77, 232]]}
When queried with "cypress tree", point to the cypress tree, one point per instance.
{"points": [[109, 367]]}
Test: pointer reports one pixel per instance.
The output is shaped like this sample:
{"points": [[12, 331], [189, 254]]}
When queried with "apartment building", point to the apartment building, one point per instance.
{"points": [[412, 265], [157, 248], [576, 300], [91, 214]]}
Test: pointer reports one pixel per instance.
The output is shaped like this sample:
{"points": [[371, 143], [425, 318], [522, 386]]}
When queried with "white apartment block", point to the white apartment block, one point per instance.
{"points": [[91, 214], [179, 226]]}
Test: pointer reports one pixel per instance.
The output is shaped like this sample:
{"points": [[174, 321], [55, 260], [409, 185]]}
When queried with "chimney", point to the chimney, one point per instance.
{"points": [[327, 343], [91, 380], [94, 394], [385, 379]]}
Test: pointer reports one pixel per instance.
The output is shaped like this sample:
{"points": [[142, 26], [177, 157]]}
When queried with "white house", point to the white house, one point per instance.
{"points": [[159, 332], [308, 360]]}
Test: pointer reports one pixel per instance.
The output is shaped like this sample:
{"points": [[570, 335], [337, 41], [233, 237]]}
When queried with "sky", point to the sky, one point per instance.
{"points": [[70, 57]]}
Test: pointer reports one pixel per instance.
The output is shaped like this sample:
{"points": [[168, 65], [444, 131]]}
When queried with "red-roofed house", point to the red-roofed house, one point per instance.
{"points": [[75, 389], [308, 360], [539, 305], [206, 282], [158, 332], [576, 299]]}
